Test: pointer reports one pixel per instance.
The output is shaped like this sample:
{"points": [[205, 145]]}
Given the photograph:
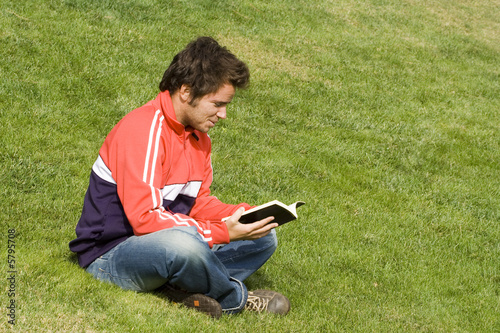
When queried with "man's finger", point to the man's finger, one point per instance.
{"points": [[262, 223]]}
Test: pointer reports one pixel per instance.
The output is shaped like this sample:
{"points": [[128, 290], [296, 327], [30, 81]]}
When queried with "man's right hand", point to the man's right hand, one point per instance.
{"points": [[248, 231]]}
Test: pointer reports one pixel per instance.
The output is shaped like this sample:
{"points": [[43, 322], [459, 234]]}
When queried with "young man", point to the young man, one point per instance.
{"points": [[149, 222]]}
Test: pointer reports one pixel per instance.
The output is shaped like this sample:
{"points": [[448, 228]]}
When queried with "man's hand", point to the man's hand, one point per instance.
{"points": [[249, 231]]}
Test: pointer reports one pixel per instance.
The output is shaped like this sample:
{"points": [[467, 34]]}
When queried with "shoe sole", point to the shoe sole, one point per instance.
{"points": [[203, 304], [199, 302]]}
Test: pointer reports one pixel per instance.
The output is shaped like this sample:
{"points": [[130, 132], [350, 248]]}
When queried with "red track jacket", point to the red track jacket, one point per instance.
{"points": [[152, 173]]}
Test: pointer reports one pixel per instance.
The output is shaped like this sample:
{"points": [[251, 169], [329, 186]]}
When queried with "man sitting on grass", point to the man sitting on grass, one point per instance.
{"points": [[149, 222]]}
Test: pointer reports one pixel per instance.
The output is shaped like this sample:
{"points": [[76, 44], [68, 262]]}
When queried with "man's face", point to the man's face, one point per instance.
{"points": [[205, 112]]}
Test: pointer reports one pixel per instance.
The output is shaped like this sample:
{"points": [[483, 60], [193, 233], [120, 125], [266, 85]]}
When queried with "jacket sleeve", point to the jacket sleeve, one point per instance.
{"points": [[135, 151]]}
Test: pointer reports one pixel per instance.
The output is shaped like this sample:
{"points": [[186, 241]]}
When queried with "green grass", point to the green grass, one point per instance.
{"points": [[382, 115]]}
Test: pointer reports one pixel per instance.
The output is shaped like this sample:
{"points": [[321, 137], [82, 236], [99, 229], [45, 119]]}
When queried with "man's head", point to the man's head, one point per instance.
{"points": [[204, 67]]}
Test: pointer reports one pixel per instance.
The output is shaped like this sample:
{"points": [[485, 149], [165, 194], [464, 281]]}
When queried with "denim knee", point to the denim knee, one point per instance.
{"points": [[185, 240], [272, 239], [268, 244]]}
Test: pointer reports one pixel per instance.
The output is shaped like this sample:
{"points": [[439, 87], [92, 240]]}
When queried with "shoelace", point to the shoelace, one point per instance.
{"points": [[256, 303]]}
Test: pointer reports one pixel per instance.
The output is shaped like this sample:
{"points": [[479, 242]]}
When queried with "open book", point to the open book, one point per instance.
{"points": [[281, 212]]}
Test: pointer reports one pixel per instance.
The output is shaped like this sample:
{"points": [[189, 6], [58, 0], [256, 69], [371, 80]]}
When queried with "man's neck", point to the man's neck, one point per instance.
{"points": [[179, 107]]}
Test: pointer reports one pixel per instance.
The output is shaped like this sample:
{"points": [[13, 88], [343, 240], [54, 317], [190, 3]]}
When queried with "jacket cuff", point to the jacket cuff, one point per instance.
{"points": [[220, 235]]}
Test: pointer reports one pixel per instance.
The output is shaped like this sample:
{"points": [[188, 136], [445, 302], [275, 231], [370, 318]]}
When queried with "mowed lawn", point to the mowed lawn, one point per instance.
{"points": [[382, 115]]}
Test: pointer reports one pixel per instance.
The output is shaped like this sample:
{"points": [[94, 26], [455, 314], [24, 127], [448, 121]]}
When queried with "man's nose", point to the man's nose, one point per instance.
{"points": [[222, 113]]}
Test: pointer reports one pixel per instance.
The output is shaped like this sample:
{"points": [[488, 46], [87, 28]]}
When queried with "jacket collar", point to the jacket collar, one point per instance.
{"points": [[164, 102]]}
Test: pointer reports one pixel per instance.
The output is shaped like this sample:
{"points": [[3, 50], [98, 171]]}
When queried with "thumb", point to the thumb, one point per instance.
{"points": [[236, 216]]}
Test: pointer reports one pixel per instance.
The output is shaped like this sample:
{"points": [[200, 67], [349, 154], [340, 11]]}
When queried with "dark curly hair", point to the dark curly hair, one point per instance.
{"points": [[204, 66]]}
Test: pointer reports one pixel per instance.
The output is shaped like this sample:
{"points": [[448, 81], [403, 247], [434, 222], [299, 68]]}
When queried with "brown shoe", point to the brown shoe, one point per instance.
{"points": [[267, 300], [195, 301]]}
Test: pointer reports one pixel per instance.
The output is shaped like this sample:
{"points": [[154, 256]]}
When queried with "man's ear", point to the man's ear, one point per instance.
{"points": [[185, 93]]}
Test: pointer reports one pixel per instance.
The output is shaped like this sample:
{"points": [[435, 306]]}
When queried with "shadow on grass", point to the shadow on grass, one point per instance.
{"points": [[259, 280], [71, 257]]}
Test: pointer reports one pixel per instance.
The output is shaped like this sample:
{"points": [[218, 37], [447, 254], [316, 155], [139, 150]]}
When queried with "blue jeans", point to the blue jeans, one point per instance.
{"points": [[180, 257]]}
